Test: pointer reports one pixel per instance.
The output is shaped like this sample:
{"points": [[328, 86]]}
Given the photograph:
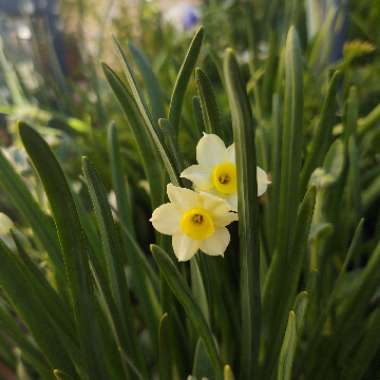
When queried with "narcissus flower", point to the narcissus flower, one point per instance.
{"points": [[195, 221], [216, 170]]}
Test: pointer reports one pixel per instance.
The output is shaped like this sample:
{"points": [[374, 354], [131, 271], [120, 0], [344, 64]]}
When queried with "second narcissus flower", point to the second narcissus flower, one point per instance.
{"points": [[216, 170], [195, 221]]}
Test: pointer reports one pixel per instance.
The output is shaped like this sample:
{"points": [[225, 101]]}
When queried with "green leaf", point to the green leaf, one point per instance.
{"points": [[208, 102], [115, 262], [198, 118], [73, 244], [164, 353], [43, 227], [30, 308], [150, 81], [291, 145], [119, 181], [228, 374], [183, 78], [198, 288], [183, 294], [244, 137], [300, 308], [202, 367], [288, 349], [323, 132], [366, 351], [147, 152], [151, 126]]}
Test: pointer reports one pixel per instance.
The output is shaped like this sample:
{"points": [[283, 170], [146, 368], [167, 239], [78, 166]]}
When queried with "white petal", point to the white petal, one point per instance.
{"points": [[211, 151], [262, 181], [181, 197], [184, 247], [216, 244], [231, 153], [200, 177], [233, 202], [166, 218], [219, 209]]}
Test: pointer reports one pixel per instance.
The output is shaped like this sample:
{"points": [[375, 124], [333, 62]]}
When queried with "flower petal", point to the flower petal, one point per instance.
{"points": [[166, 218], [184, 247], [233, 202], [219, 209], [231, 153], [262, 181], [200, 177], [181, 197], [216, 244], [211, 151]]}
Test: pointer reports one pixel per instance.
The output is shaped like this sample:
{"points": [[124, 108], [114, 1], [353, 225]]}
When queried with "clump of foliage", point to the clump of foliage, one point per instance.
{"points": [[89, 291]]}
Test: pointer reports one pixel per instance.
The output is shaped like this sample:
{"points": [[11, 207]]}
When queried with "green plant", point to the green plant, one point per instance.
{"points": [[296, 295]]}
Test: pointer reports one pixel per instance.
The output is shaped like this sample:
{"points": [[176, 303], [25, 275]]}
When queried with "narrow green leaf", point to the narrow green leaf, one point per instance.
{"points": [[61, 375], [114, 261], [18, 194], [208, 102], [150, 81], [74, 246], [164, 354], [202, 367], [244, 137], [323, 132], [291, 144], [30, 308], [119, 181], [183, 294], [10, 329], [300, 308], [151, 126], [147, 152], [288, 349], [365, 352], [198, 288], [197, 111], [183, 78], [228, 374]]}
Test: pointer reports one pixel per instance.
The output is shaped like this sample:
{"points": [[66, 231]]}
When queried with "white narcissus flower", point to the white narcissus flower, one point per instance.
{"points": [[195, 221], [216, 170]]}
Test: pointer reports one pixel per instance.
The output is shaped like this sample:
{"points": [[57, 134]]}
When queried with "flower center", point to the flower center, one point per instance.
{"points": [[224, 178], [197, 223]]}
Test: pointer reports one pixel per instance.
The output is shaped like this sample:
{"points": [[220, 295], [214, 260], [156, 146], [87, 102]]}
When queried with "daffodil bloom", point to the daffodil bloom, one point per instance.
{"points": [[195, 221], [216, 170]]}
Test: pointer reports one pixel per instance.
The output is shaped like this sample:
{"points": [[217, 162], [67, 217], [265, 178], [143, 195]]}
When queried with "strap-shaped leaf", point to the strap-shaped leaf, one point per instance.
{"points": [[19, 195], [114, 260], [119, 181], [288, 349], [164, 354], [147, 151], [291, 144], [183, 78], [323, 132], [208, 102], [244, 137], [11, 331], [228, 374], [150, 81], [73, 244], [183, 294], [29, 306], [150, 125]]}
